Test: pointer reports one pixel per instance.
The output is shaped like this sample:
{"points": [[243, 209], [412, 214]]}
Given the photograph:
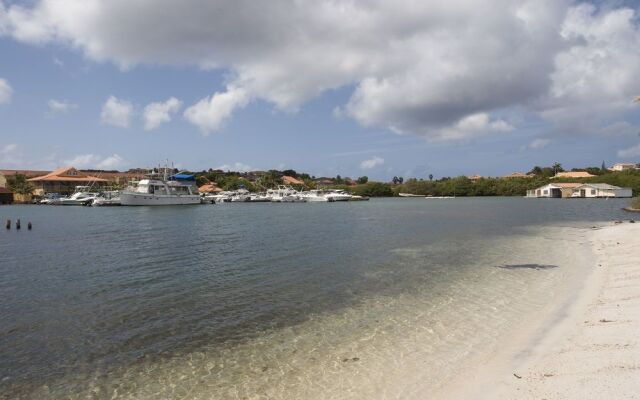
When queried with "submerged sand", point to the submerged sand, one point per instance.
{"points": [[587, 350], [553, 313]]}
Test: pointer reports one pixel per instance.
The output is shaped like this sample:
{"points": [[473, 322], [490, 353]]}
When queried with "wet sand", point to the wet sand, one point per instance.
{"points": [[587, 349]]}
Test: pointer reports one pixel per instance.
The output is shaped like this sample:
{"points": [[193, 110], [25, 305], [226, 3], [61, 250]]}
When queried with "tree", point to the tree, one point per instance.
{"points": [[373, 189], [557, 167], [362, 180], [430, 177], [400, 179], [395, 180], [18, 184], [536, 171], [290, 172], [604, 167]]}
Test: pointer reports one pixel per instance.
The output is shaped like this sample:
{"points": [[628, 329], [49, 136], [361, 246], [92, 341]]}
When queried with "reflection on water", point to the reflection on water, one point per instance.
{"points": [[271, 300]]}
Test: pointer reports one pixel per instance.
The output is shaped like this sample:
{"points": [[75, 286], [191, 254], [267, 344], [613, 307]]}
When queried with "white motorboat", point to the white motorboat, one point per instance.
{"points": [[410, 195], [240, 196], [50, 198], [315, 196], [110, 198], [259, 198], [283, 194], [81, 197], [338, 195], [177, 189]]}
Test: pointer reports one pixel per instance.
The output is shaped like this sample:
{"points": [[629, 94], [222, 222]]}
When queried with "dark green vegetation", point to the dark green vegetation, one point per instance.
{"points": [[456, 186], [461, 186], [18, 184]]}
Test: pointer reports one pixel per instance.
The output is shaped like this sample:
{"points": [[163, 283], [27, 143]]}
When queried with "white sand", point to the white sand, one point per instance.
{"points": [[589, 349]]}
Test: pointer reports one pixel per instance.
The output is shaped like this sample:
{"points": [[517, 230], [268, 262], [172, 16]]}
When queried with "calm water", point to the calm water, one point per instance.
{"points": [[264, 300]]}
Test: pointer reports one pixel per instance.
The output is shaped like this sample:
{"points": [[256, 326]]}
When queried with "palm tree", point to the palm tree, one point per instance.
{"points": [[430, 177], [557, 167]]}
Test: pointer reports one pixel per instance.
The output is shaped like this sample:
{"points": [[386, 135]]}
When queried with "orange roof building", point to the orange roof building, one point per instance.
{"points": [[474, 178], [290, 180], [63, 180], [209, 188]]}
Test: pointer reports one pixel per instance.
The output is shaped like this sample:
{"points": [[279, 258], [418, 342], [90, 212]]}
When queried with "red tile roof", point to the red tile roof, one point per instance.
{"points": [[66, 174], [290, 180]]}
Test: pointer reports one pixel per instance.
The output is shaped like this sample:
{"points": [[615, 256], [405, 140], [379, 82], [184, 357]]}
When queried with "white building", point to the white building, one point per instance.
{"points": [[554, 190], [602, 190], [623, 166]]}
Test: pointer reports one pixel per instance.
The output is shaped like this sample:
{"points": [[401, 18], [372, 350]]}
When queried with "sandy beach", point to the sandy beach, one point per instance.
{"points": [[586, 349]]}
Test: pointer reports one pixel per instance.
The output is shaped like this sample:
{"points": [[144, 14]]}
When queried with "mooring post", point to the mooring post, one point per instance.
{"points": [[8, 225], [29, 226], [18, 223]]}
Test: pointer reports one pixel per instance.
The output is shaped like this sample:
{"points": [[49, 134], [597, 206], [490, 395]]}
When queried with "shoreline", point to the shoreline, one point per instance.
{"points": [[587, 347]]}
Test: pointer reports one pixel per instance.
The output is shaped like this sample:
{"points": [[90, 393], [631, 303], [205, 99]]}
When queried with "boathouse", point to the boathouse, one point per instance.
{"points": [[554, 190], [602, 190]]}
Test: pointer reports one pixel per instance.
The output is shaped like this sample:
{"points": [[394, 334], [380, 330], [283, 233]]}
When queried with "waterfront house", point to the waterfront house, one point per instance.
{"points": [[474, 178], [573, 175], [63, 180], [554, 190], [602, 190], [623, 166]]}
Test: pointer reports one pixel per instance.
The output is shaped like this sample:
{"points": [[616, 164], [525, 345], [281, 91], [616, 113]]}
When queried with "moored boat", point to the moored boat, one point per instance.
{"points": [[177, 189]]}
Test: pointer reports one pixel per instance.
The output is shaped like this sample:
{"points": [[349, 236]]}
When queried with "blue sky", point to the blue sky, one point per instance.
{"points": [[525, 88]]}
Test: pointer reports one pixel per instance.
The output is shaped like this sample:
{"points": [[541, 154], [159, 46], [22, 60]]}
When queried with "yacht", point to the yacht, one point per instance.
{"points": [[316, 196], [259, 198], [81, 197], [283, 194], [241, 196], [177, 189], [109, 198], [338, 195]]}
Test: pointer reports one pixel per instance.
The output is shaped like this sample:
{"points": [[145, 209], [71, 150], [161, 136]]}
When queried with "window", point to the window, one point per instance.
{"points": [[593, 191], [545, 191]]}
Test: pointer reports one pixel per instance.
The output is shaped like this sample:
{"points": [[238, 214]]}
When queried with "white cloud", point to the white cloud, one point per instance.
{"points": [[210, 113], [472, 126], [155, 114], [117, 112], [60, 106], [633, 151], [6, 92], [539, 143], [236, 167], [10, 155], [96, 162], [595, 78], [371, 163], [111, 162], [423, 67]]}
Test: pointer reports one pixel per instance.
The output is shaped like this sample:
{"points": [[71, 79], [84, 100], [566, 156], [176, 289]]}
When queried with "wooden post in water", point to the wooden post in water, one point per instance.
{"points": [[8, 225], [18, 223], [29, 226]]}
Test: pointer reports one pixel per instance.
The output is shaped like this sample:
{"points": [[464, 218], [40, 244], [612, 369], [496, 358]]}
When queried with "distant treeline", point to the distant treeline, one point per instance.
{"points": [[462, 186], [447, 186]]}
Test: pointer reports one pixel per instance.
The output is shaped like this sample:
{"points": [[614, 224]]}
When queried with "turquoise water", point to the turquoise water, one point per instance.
{"points": [[267, 300]]}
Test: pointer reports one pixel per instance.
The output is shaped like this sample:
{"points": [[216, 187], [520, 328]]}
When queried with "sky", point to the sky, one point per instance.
{"points": [[368, 87]]}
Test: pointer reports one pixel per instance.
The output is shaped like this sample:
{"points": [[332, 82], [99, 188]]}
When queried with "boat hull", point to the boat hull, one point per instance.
{"points": [[145, 199]]}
